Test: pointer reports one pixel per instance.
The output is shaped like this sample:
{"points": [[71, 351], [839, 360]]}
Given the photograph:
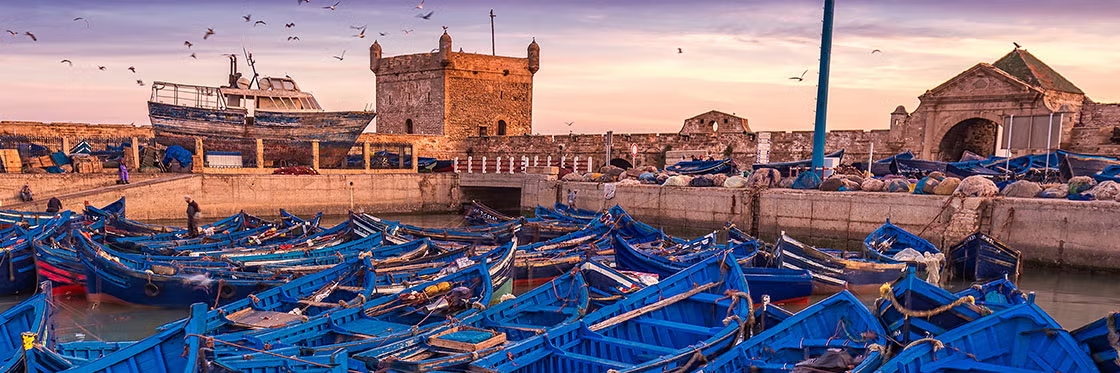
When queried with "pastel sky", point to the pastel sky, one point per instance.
{"points": [[606, 65]]}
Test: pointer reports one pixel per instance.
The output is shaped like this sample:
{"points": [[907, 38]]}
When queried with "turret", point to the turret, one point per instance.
{"points": [[534, 56], [444, 48], [374, 56], [898, 119]]}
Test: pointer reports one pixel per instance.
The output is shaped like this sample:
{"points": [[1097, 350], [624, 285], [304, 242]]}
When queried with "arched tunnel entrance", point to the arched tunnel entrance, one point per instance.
{"points": [[976, 135]]}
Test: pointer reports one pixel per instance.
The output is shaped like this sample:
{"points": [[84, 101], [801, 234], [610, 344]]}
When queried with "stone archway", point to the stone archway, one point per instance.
{"points": [[977, 135]]}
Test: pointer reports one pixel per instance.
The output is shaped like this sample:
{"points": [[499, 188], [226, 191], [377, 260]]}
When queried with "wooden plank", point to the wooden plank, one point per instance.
{"points": [[258, 319], [650, 307]]}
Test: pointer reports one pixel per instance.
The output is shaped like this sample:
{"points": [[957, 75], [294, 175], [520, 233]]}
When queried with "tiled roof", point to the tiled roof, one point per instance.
{"points": [[1028, 68]]}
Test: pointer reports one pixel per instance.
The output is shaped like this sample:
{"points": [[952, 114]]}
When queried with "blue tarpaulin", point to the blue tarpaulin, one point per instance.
{"points": [[179, 154]]}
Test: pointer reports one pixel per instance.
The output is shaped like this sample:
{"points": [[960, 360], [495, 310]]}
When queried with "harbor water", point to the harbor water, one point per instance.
{"points": [[1073, 298]]}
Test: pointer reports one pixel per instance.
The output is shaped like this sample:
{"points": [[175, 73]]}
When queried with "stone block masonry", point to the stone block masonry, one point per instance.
{"points": [[1059, 232]]}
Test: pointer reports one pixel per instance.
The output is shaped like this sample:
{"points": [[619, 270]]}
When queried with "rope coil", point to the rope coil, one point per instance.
{"points": [[887, 293]]}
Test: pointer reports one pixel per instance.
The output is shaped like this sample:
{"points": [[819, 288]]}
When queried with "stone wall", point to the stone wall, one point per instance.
{"points": [[223, 195], [1096, 129], [51, 134], [724, 123], [1061, 232], [411, 88], [45, 186]]}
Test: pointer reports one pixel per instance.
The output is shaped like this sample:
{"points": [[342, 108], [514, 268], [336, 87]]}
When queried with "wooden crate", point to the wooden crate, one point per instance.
{"points": [[497, 338], [9, 161]]}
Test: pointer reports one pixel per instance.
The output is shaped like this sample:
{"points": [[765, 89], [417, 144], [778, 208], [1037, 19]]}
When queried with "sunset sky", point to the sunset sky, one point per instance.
{"points": [[604, 65]]}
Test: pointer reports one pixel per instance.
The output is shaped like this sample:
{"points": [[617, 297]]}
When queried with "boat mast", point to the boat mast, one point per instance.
{"points": [[253, 66]]}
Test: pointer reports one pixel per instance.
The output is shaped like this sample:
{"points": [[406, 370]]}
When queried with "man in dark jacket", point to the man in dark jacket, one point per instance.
{"points": [[54, 205], [193, 213]]}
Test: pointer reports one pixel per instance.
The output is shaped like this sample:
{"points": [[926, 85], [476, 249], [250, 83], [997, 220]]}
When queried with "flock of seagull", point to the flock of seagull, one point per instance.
{"points": [[361, 33]]}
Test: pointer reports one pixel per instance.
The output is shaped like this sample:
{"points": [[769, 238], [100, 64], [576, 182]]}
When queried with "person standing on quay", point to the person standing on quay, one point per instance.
{"points": [[193, 213], [124, 173]]}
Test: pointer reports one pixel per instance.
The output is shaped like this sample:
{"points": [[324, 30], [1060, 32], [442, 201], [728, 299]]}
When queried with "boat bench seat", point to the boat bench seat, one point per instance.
{"points": [[676, 326], [365, 326], [710, 298], [825, 342], [638, 346]]}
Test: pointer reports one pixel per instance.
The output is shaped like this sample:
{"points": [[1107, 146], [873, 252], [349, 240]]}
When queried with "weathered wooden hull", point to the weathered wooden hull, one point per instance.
{"points": [[287, 136]]}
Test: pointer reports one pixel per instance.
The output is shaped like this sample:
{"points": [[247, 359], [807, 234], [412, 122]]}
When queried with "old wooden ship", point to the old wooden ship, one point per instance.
{"points": [[231, 118]]}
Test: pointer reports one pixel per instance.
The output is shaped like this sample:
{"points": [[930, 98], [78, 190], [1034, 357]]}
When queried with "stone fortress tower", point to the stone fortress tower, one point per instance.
{"points": [[454, 94]]}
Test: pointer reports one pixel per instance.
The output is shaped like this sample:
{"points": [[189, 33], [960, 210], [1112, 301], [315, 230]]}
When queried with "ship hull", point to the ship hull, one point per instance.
{"points": [[287, 136]]}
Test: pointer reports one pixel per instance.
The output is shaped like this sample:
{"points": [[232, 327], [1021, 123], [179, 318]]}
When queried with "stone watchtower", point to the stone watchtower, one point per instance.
{"points": [[454, 94]]}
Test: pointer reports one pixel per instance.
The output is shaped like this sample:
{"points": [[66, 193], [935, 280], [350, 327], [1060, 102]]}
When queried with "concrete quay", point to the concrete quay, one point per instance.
{"points": [[222, 195], [1057, 232]]}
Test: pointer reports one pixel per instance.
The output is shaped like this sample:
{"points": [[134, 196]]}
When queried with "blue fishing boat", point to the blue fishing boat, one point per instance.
{"points": [[381, 321], [479, 214], [457, 344], [30, 319], [996, 295], [172, 350], [887, 241], [832, 271], [119, 278], [1101, 337], [56, 259], [694, 315], [980, 257], [17, 260], [768, 314], [719, 166], [783, 285], [786, 168], [840, 322], [1022, 338], [911, 309]]}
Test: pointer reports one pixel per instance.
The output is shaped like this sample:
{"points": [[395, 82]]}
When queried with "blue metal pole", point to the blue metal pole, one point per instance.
{"points": [[822, 88]]}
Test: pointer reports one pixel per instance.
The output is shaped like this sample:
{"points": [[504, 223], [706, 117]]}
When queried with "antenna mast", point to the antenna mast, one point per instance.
{"points": [[493, 50], [253, 66]]}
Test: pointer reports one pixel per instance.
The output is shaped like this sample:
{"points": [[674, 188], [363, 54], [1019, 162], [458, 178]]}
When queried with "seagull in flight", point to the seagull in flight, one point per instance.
{"points": [[102, 68], [209, 31], [421, 5], [300, 2], [259, 23], [67, 61], [188, 44], [407, 32], [799, 78], [425, 16], [193, 56], [290, 38], [132, 69], [1017, 46], [340, 57], [247, 17], [332, 6], [290, 25], [876, 51], [679, 51], [30, 35], [139, 82], [383, 33], [12, 32], [83, 20], [362, 34], [569, 123]]}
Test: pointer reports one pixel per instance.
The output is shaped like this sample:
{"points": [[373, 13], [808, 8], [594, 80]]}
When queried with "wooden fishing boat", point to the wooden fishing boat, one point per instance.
{"points": [[1099, 336], [172, 350], [694, 315], [831, 270], [996, 295], [768, 314], [29, 319], [57, 261], [838, 322], [232, 118], [477, 213], [887, 241], [29, 219], [118, 278], [1022, 338], [457, 344], [17, 259], [980, 257], [911, 309], [719, 166], [417, 309]]}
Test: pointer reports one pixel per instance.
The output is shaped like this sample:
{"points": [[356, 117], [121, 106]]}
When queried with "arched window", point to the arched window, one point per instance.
{"points": [[501, 128], [408, 126]]}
